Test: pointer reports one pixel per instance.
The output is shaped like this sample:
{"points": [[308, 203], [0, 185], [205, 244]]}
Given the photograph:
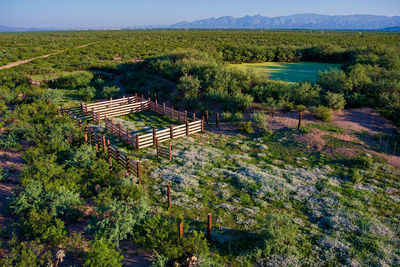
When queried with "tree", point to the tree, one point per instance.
{"points": [[101, 253], [189, 86], [110, 91], [335, 101]]}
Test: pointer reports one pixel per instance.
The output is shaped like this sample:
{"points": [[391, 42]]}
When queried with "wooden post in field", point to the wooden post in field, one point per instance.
{"points": [[194, 116], [180, 229], [137, 142], [138, 171], [171, 130], [394, 148], [170, 154], [209, 227], [379, 146], [109, 153], [207, 116], [217, 120], [300, 117], [154, 136], [185, 115], [169, 196], [187, 128], [202, 124]]}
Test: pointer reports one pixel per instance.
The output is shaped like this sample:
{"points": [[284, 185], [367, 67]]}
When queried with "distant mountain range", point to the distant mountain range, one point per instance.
{"points": [[297, 21]]}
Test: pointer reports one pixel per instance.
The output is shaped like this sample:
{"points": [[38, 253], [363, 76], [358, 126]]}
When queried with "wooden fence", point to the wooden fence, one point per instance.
{"points": [[101, 142], [146, 140], [164, 152]]}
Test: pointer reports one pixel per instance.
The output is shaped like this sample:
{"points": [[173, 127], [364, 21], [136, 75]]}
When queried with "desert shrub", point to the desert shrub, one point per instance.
{"points": [[11, 141], [322, 113], [245, 127], [74, 243], [226, 116], [87, 93], [239, 101], [30, 253], [158, 232], [54, 96], [109, 91], [306, 93], [356, 177], [333, 80], [54, 234], [189, 86], [117, 220], [102, 253], [159, 260], [74, 80], [260, 121], [300, 108], [335, 101], [287, 106], [82, 157], [237, 116]]}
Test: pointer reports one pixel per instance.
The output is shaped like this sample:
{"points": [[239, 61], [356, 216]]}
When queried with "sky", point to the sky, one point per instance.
{"points": [[131, 13]]}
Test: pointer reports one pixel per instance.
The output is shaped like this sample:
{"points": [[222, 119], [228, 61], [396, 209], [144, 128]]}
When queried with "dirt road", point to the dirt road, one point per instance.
{"points": [[20, 62]]}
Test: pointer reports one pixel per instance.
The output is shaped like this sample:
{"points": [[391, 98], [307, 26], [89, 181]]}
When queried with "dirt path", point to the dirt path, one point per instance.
{"points": [[20, 62]]}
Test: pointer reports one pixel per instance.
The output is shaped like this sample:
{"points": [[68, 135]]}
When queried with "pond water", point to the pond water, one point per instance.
{"points": [[289, 72]]}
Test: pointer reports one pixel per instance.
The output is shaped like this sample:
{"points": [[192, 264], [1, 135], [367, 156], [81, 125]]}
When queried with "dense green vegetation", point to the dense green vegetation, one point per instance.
{"points": [[274, 201]]}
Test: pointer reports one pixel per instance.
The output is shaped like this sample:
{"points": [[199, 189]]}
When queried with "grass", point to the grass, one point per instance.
{"points": [[289, 72], [326, 127]]}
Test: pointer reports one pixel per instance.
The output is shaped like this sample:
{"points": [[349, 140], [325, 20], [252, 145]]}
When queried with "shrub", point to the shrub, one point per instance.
{"points": [[226, 116], [356, 177], [246, 127], [117, 220], [240, 101], [237, 116], [158, 232], [335, 101], [11, 141], [28, 254], [307, 93], [109, 91], [102, 253], [260, 121], [322, 113], [300, 108], [87, 93], [189, 86], [82, 157], [287, 106]]}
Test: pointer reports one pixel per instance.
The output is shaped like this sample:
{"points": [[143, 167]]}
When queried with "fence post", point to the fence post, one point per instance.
{"points": [[217, 120], [137, 142], [194, 116], [127, 134], [136, 98], [154, 136], [300, 117], [123, 100], [109, 153], [180, 228], [185, 115], [202, 124], [85, 135], [170, 154], [209, 227], [187, 128], [171, 131], [394, 149], [207, 116], [98, 118], [169, 196], [163, 108], [104, 143], [85, 109]]}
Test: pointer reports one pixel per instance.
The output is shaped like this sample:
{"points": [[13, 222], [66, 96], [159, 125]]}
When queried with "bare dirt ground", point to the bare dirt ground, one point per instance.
{"points": [[353, 121], [20, 62]]}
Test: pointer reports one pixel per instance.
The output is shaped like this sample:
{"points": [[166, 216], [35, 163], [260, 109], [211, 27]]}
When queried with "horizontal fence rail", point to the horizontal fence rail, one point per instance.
{"points": [[164, 152]]}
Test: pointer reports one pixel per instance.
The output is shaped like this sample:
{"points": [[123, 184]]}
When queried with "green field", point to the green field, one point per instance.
{"points": [[290, 72]]}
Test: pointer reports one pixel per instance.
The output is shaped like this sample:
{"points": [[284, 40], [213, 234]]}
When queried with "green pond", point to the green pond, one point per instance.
{"points": [[289, 72]]}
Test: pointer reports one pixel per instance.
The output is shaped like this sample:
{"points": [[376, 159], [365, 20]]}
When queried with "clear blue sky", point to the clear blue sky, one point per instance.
{"points": [[125, 13]]}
